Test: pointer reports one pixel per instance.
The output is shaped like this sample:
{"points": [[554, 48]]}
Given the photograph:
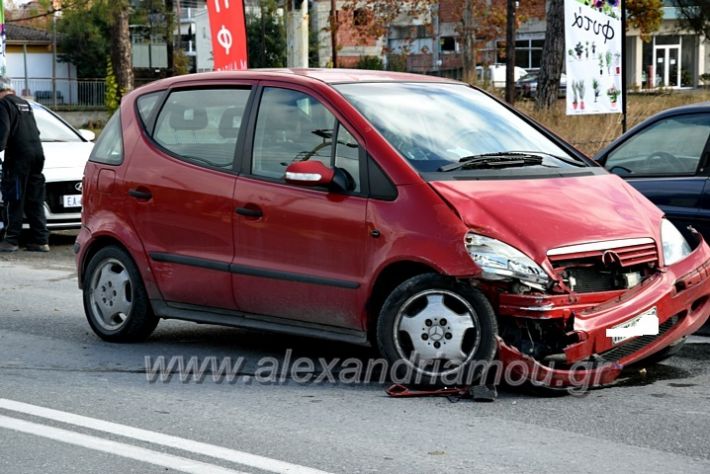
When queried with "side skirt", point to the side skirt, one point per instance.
{"points": [[223, 317]]}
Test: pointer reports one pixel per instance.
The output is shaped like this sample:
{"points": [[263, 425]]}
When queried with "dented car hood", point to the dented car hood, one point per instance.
{"points": [[535, 215]]}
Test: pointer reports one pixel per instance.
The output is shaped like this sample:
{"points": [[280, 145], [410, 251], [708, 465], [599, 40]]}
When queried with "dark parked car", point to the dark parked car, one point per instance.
{"points": [[666, 158], [415, 213], [526, 86]]}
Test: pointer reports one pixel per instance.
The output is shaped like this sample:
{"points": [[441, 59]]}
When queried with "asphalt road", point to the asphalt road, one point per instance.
{"points": [[72, 403]]}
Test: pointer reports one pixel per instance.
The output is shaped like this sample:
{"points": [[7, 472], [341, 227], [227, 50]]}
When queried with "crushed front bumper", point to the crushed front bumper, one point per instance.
{"points": [[680, 293]]}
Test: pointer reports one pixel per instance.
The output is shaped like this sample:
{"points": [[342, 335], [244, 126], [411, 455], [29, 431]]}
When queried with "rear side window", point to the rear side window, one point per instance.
{"points": [[202, 126], [109, 146], [146, 104]]}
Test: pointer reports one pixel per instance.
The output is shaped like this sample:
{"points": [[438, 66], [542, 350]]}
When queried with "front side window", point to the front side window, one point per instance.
{"points": [[347, 156], [202, 126], [109, 146], [435, 125], [293, 126], [672, 146]]}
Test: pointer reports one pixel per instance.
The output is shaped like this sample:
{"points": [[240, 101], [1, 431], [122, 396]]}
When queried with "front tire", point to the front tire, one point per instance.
{"points": [[115, 300], [437, 330]]}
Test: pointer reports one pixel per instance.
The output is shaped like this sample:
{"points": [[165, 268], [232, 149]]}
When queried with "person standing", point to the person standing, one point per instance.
{"points": [[22, 178]]}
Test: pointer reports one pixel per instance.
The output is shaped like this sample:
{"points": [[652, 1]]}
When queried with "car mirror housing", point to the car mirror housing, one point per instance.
{"points": [[309, 173], [87, 135]]}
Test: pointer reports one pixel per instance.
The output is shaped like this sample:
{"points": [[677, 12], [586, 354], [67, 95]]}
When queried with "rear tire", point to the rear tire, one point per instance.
{"points": [[437, 330], [115, 300]]}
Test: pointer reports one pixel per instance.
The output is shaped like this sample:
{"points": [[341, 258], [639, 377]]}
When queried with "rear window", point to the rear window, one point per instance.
{"points": [[109, 146]]}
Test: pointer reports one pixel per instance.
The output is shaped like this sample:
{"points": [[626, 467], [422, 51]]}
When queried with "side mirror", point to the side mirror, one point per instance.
{"points": [[87, 135], [309, 173]]}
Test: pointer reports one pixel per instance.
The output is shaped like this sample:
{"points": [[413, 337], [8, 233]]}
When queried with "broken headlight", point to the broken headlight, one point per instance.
{"points": [[675, 247], [500, 261]]}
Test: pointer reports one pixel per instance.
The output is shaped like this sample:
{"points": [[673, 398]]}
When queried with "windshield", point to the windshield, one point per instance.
{"points": [[51, 129], [434, 125]]}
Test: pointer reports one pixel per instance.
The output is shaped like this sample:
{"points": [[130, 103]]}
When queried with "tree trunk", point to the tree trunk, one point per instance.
{"points": [[170, 35], [121, 47], [468, 37], [510, 54], [553, 53]]}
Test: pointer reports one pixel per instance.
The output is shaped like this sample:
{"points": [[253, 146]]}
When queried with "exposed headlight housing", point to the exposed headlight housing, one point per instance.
{"points": [[500, 261], [675, 247]]}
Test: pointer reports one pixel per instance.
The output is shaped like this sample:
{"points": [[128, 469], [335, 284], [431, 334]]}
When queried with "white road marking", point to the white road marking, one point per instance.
{"points": [[113, 447], [218, 452]]}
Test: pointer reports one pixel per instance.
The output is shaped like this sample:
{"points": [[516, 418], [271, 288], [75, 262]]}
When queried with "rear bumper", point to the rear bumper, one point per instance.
{"points": [[680, 294]]}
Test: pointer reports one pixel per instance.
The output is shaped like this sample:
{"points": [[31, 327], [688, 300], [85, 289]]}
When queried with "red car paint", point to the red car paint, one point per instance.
{"points": [[281, 228]]}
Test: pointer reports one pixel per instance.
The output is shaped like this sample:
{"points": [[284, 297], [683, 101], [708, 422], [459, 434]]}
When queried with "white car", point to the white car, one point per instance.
{"points": [[66, 151]]}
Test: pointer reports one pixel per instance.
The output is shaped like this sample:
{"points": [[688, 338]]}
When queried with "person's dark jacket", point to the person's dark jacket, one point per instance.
{"points": [[19, 136]]}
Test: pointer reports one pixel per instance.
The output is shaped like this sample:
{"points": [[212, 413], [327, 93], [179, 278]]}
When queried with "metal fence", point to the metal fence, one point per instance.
{"points": [[78, 93]]}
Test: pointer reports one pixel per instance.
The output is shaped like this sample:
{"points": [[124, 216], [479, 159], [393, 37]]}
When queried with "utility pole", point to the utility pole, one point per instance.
{"points": [[510, 53], [334, 31], [297, 33]]}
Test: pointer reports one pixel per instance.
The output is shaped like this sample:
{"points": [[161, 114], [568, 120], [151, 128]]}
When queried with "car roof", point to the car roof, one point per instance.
{"points": [[324, 76]]}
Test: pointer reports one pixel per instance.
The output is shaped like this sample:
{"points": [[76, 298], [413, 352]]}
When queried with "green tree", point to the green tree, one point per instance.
{"points": [[266, 37], [84, 40], [111, 98]]}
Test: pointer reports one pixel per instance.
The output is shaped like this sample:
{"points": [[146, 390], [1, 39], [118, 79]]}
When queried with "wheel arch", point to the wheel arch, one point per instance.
{"points": [[104, 240], [389, 278]]}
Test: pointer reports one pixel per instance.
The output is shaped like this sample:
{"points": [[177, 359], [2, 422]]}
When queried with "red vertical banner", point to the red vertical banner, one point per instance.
{"points": [[229, 34]]}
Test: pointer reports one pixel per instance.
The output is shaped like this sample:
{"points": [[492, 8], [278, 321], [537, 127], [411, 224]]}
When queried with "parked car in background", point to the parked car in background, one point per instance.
{"points": [[415, 213], [66, 151], [526, 86], [666, 158], [494, 74]]}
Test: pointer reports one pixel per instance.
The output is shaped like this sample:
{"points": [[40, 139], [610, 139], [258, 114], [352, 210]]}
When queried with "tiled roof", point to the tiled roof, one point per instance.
{"points": [[21, 34]]}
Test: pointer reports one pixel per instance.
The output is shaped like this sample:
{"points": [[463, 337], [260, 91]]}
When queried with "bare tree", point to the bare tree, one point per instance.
{"points": [[468, 43], [553, 53]]}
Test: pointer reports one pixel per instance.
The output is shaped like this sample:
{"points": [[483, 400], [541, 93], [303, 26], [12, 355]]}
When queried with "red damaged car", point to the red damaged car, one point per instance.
{"points": [[414, 213]]}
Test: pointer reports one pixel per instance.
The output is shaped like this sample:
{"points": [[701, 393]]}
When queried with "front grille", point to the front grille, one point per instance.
{"points": [[55, 191], [634, 345], [605, 266], [627, 256]]}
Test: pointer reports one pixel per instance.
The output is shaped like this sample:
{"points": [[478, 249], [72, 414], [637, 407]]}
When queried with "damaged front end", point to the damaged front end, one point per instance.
{"points": [[553, 318]]}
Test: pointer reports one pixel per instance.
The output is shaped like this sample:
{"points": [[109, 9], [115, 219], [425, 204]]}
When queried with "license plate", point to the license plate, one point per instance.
{"points": [[645, 324], [72, 200]]}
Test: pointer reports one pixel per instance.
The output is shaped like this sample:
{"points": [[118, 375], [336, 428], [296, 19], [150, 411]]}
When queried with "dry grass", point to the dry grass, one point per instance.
{"points": [[590, 133]]}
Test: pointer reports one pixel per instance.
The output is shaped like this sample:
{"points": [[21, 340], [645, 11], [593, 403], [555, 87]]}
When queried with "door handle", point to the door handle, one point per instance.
{"points": [[143, 195], [249, 212]]}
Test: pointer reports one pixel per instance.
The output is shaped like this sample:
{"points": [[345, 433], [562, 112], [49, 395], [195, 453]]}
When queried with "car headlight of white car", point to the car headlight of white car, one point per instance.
{"points": [[675, 247], [500, 261]]}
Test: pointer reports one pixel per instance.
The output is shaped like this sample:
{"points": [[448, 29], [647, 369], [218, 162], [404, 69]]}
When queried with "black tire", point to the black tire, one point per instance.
{"points": [[665, 353], [115, 302], [477, 343]]}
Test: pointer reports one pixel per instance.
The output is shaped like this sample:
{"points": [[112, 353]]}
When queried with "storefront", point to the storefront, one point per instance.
{"points": [[670, 61]]}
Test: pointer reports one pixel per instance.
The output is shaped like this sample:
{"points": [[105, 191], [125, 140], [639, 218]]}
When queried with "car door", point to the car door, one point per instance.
{"points": [[181, 184], [667, 162], [300, 251]]}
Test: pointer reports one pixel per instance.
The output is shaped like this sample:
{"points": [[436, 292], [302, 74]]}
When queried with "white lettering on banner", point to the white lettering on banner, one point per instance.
{"points": [[593, 37], [224, 38], [217, 7]]}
